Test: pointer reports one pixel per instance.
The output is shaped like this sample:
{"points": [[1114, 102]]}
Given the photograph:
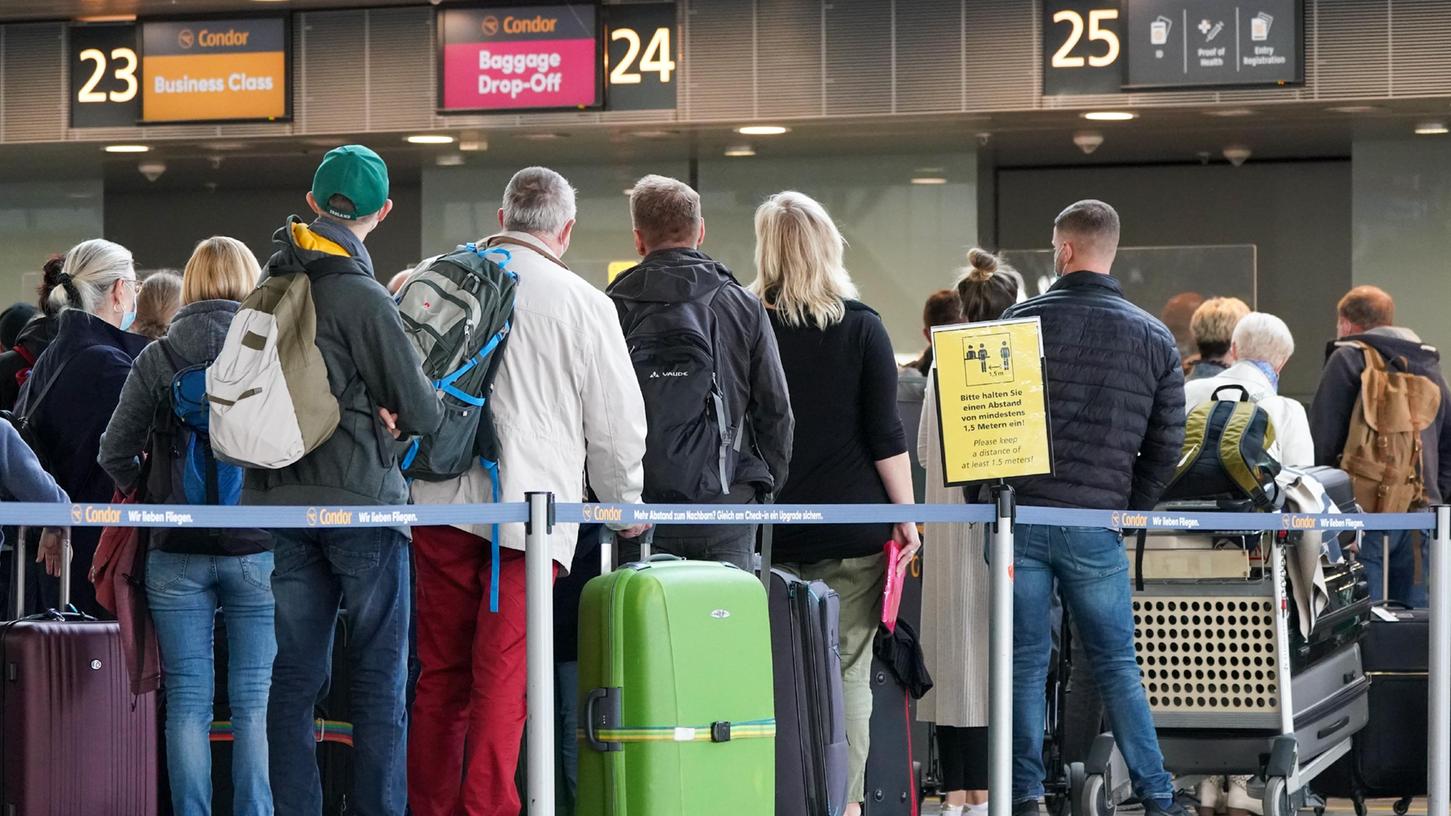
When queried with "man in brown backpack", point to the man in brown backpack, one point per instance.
{"points": [[1380, 414]]}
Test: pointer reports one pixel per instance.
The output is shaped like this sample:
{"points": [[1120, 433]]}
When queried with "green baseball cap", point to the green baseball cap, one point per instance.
{"points": [[355, 173]]}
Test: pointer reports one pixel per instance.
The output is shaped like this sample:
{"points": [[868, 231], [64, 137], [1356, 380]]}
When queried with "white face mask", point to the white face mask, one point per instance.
{"points": [[129, 317], [1058, 264]]}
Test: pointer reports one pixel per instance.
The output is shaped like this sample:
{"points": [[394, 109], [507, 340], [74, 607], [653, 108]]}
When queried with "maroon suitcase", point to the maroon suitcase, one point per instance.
{"points": [[73, 739]]}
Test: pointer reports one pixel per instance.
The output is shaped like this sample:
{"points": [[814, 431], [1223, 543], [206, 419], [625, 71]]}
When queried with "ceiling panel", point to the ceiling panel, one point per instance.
{"points": [[13, 10]]}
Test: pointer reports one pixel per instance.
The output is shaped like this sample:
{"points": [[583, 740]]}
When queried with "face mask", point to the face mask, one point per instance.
{"points": [[1057, 264], [129, 317]]}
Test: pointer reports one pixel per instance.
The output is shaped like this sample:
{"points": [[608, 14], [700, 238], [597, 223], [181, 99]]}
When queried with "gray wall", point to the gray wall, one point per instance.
{"points": [[38, 219], [1402, 218], [1298, 215], [162, 228]]}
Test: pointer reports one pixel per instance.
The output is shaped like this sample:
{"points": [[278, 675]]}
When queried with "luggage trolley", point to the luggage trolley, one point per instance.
{"points": [[1226, 697]]}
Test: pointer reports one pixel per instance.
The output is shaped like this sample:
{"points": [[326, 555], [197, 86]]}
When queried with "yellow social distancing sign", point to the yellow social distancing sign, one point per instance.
{"points": [[992, 406]]}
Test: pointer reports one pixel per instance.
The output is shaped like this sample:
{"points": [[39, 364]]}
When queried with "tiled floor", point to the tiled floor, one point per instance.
{"points": [[1338, 807]]}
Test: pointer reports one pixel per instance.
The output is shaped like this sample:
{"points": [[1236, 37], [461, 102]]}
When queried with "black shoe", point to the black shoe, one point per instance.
{"points": [[1175, 807], [1025, 807]]}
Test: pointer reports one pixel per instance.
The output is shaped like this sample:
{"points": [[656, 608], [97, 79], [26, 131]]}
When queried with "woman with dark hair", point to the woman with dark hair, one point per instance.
{"points": [[33, 340], [942, 309], [955, 584]]}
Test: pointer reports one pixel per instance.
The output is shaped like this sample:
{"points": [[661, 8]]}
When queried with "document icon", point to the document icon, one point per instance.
{"points": [[1259, 27], [1159, 30]]}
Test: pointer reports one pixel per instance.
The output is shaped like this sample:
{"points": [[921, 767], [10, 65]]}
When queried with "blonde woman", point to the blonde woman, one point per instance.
{"points": [[848, 443], [73, 388], [1212, 327], [190, 573]]}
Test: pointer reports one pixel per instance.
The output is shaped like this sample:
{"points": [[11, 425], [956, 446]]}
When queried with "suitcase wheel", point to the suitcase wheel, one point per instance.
{"points": [[1093, 797], [1276, 800], [1402, 806]]}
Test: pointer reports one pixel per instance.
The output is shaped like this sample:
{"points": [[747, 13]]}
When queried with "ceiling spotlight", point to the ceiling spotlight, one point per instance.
{"points": [[545, 136], [740, 151], [449, 160], [1237, 154], [152, 170], [762, 130], [1110, 116], [127, 148], [1088, 142], [1230, 113], [929, 181], [1354, 109], [430, 139], [1432, 129], [473, 145]]}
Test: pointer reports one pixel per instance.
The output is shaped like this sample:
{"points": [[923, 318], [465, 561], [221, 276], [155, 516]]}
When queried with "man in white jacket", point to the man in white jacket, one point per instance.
{"points": [[565, 399], [1260, 348]]}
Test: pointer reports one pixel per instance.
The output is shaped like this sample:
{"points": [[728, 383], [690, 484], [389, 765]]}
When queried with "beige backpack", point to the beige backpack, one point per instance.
{"points": [[1382, 450]]}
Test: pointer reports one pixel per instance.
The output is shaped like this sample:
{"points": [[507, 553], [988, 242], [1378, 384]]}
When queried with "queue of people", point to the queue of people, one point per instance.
{"points": [[800, 406]]}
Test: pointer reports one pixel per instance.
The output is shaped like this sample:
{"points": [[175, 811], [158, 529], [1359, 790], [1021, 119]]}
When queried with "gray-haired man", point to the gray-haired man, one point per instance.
{"points": [[565, 401]]}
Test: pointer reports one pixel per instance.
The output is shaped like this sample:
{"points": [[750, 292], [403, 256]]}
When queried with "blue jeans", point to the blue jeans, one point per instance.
{"points": [[1402, 565], [184, 592], [566, 698], [1091, 568], [364, 571]]}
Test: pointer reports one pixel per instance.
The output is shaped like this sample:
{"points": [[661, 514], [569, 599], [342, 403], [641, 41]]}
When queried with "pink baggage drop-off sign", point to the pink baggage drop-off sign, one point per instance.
{"points": [[521, 58]]}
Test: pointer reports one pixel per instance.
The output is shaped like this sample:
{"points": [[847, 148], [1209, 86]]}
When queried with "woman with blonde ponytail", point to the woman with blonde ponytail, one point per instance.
{"points": [[955, 582], [848, 446]]}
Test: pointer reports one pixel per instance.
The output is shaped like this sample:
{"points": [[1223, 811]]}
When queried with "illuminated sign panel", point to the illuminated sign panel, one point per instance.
{"points": [[214, 70], [105, 83], [529, 57]]}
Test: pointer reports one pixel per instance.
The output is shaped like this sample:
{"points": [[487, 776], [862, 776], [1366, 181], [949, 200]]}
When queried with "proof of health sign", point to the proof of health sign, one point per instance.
{"points": [[529, 57], [992, 407]]}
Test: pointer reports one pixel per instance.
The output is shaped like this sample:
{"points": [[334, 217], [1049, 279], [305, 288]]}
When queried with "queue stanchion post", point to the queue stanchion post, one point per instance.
{"points": [[1438, 782], [1000, 663], [539, 632]]}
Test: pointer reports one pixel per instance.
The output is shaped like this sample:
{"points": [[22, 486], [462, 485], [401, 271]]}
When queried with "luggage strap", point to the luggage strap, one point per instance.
{"points": [[723, 731], [1140, 544], [323, 730]]}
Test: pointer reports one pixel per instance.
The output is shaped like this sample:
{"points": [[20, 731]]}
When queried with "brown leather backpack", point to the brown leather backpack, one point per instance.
{"points": [[1383, 447]]}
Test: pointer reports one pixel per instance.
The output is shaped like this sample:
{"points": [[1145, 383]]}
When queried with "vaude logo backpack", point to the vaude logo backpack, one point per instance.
{"points": [[268, 388], [1382, 450], [457, 309], [690, 445], [1226, 453]]}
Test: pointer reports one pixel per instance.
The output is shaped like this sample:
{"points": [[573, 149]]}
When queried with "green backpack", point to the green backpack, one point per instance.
{"points": [[1227, 454]]}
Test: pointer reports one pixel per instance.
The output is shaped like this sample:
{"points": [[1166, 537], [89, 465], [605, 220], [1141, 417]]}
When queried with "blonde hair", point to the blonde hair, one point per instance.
{"points": [[799, 270], [1212, 325], [156, 304], [90, 269], [220, 268]]}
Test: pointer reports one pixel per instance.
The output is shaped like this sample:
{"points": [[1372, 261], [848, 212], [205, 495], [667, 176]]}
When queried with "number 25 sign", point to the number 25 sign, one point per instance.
{"points": [[1082, 47]]}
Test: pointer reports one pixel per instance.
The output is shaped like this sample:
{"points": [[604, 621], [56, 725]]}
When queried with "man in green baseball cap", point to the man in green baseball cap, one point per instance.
{"points": [[381, 394]]}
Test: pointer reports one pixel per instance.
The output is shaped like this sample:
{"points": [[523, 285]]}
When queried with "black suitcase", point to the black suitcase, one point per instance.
{"points": [[1343, 621], [1388, 757], [894, 771], [811, 750], [334, 729]]}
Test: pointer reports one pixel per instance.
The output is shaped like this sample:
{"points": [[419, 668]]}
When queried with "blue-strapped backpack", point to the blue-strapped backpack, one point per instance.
{"points": [[457, 309], [196, 475]]}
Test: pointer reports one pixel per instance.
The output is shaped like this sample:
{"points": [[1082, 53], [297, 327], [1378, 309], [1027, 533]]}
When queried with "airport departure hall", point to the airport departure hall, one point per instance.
{"points": [[725, 407]]}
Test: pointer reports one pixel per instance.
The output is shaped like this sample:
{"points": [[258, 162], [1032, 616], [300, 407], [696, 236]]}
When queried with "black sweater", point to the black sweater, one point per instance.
{"points": [[843, 382]]}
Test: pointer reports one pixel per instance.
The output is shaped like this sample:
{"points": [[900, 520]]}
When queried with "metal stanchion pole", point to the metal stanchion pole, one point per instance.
{"points": [[1439, 751], [1000, 663], [539, 599]]}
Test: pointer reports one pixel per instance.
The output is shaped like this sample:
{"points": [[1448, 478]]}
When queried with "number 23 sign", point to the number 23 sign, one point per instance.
{"points": [[1082, 47]]}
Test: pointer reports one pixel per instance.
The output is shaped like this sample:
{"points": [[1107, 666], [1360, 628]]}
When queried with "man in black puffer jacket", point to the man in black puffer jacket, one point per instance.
{"points": [[1116, 407]]}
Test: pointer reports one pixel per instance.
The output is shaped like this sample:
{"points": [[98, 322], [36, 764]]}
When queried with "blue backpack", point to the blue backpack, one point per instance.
{"points": [[196, 476]]}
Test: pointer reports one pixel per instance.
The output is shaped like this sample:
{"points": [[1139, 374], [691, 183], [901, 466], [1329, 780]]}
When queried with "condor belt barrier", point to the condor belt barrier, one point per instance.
{"points": [[540, 512]]}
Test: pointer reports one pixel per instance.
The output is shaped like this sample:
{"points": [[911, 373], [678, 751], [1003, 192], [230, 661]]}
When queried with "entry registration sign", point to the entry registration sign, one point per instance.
{"points": [[530, 57], [992, 407]]}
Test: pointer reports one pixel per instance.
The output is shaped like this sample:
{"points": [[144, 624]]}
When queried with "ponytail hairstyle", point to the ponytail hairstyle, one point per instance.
{"points": [[49, 281], [88, 272], [987, 287]]}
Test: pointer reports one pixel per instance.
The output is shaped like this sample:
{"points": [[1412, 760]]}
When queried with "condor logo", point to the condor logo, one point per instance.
{"points": [[90, 514], [1290, 522], [322, 517], [603, 514], [1123, 520]]}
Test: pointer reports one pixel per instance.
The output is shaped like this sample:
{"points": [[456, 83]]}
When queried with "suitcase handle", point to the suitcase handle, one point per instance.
{"points": [[1333, 727], [594, 697]]}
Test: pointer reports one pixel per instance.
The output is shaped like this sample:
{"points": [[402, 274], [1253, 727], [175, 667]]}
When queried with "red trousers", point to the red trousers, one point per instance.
{"points": [[468, 712]]}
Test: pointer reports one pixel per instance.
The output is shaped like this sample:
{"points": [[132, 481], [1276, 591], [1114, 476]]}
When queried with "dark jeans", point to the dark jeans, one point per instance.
{"points": [[733, 545], [317, 572], [1401, 566], [1091, 569]]}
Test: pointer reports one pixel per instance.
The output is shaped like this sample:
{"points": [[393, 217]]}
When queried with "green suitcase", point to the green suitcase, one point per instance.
{"points": [[676, 692]]}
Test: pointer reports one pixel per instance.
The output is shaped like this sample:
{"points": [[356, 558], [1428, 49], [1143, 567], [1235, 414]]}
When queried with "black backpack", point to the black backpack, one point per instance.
{"points": [[692, 444]]}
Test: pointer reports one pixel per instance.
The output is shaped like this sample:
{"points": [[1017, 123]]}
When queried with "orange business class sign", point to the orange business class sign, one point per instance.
{"points": [[214, 70]]}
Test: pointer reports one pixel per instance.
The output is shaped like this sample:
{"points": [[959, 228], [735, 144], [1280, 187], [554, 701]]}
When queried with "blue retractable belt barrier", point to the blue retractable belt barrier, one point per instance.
{"points": [[625, 515]]}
